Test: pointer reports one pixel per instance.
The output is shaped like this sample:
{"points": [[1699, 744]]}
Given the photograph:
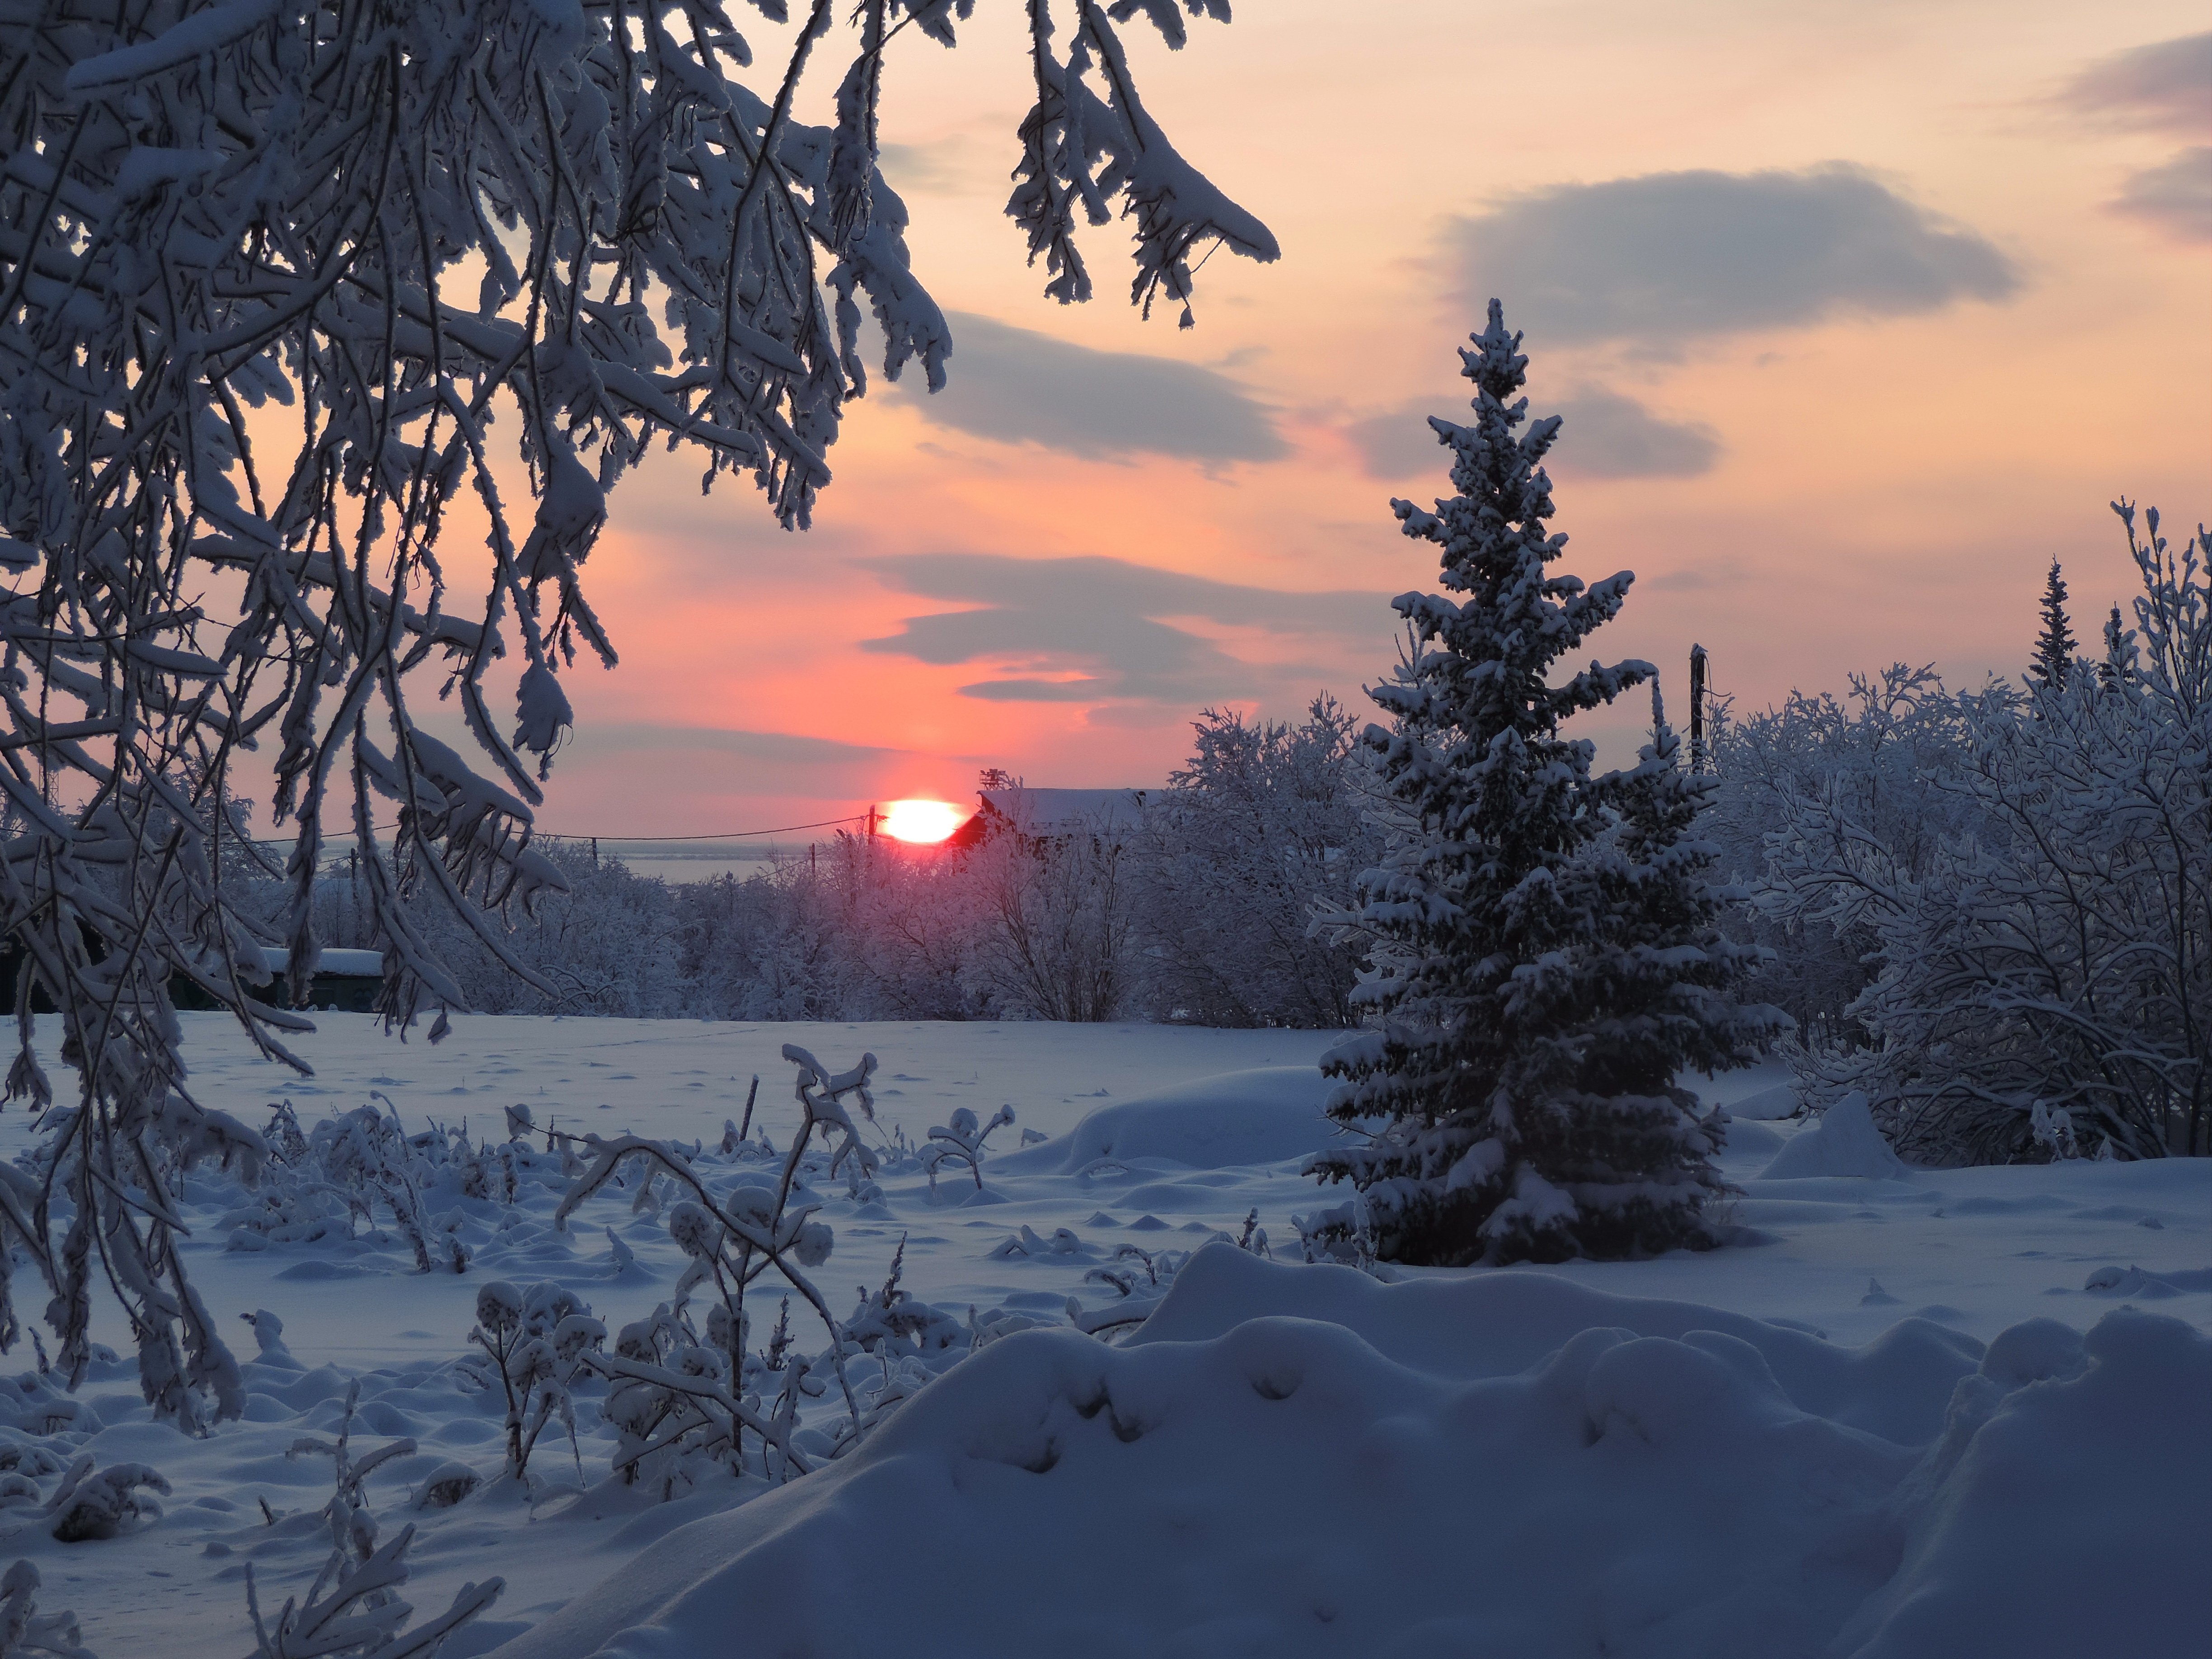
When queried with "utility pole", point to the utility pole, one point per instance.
{"points": [[1700, 759]]}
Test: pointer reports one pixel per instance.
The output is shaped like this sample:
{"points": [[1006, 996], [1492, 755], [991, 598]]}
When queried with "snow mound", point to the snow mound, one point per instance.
{"points": [[1247, 1493], [1750, 1138], [2101, 1441], [1264, 1116], [1502, 1322], [1767, 1105], [1844, 1142]]}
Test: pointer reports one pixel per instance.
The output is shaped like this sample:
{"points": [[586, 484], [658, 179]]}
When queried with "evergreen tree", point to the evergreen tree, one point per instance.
{"points": [[1543, 957], [2054, 645], [2119, 665]]}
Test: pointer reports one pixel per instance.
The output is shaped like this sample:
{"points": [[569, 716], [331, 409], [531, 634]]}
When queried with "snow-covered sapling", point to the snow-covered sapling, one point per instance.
{"points": [[24, 1631], [961, 1141], [352, 1526], [361, 1615], [892, 1321], [538, 1341]]}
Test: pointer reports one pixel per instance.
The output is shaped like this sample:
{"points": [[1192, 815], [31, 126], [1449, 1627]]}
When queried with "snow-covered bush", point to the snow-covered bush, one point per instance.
{"points": [[1874, 763], [961, 1141], [672, 1395], [921, 929], [1058, 933], [2056, 958], [607, 944], [421, 224], [1267, 818], [780, 944], [93, 1502], [1544, 948], [537, 1342], [1140, 1279]]}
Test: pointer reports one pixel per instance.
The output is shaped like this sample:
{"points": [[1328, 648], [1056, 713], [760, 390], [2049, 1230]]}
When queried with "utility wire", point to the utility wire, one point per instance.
{"points": [[553, 835], [731, 835]]}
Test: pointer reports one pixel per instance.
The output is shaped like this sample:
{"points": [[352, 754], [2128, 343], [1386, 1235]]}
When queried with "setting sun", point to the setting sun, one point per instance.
{"points": [[924, 820]]}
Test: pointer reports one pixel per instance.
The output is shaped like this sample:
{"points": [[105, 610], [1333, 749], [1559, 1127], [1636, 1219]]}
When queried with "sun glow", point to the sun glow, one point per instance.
{"points": [[922, 821]]}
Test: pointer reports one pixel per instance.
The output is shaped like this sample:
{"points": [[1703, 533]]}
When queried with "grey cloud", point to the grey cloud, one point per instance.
{"points": [[1605, 435], [2174, 197], [772, 748], [1035, 621], [2166, 86], [1012, 386], [1667, 255], [946, 166]]}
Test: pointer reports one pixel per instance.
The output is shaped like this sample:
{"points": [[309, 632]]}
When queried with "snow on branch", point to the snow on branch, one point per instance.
{"points": [[462, 245]]}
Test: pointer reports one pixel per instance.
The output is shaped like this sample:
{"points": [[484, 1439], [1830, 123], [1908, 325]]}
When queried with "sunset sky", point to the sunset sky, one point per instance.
{"points": [[1859, 315]]}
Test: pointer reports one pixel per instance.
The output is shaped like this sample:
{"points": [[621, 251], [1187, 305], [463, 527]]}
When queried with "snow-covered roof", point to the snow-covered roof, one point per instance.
{"points": [[350, 963], [1063, 811]]}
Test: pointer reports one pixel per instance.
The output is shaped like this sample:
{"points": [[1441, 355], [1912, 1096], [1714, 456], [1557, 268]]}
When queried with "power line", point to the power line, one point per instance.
{"points": [[563, 835], [730, 834]]}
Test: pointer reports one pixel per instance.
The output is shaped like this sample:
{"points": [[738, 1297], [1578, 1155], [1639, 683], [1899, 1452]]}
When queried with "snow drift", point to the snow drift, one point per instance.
{"points": [[1844, 1142], [1595, 1474], [1264, 1116]]}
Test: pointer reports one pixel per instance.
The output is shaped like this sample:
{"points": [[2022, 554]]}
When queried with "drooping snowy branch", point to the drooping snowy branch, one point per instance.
{"points": [[287, 291]]}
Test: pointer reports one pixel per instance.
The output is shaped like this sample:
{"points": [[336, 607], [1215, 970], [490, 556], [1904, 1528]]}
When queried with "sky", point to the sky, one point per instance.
{"points": [[1858, 316]]}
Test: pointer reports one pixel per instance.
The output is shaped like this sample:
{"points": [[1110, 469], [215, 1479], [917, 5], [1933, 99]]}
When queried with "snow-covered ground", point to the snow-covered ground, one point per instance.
{"points": [[1743, 1452]]}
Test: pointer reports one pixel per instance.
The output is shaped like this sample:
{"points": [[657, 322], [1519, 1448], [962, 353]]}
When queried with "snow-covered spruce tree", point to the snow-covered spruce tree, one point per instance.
{"points": [[1544, 953], [402, 219], [2054, 645]]}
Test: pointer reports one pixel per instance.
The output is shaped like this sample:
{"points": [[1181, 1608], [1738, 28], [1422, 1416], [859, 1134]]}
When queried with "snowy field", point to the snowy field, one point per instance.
{"points": [[1957, 1413]]}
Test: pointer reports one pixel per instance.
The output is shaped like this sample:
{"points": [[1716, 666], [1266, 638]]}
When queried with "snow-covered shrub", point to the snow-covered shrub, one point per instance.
{"points": [[1876, 763], [961, 1141], [2058, 959], [922, 927], [537, 1342], [335, 1179], [892, 1322], [1544, 948], [24, 1631], [353, 1610], [669, 1393], [1266, 818], [607, 944], [93, 1502], [369, 1158], [1140, 1279], [1058, 936]]}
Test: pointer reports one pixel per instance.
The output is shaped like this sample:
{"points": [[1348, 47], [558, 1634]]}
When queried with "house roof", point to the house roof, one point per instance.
{"points": [[1053, 812], [1058, 811], [347, 963]]}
